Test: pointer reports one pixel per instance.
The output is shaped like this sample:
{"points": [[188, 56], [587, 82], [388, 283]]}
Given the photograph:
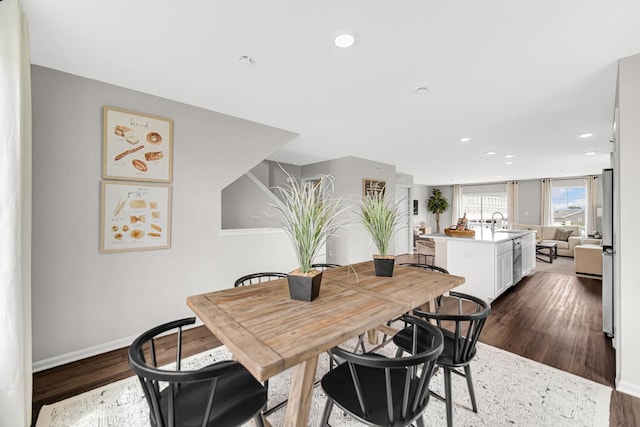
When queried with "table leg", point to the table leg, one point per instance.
{"points": [[300, 393], [265, 422], [372, 336], [429, 306]]}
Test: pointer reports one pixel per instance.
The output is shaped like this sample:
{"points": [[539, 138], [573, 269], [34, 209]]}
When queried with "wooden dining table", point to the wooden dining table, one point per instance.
{"points": [[268, 332]]}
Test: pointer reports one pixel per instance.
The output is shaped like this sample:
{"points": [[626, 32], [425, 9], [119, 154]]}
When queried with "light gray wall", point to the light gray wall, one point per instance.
{"points": [[84, 301], [529, 201], [628, 252], [243, 199], [352, 244], [243, 205], [244, 202]]}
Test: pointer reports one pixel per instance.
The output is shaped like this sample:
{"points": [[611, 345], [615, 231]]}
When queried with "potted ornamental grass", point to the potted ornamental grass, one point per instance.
{"points": [[380, 218], [309, 214]]}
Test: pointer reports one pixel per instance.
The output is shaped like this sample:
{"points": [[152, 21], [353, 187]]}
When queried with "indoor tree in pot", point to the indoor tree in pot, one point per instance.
{"points": [[309, 214], [380, 218], [437, 204]]}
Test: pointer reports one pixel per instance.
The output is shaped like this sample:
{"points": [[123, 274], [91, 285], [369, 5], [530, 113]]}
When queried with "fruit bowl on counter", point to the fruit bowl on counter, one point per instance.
{"points": [[452, 232]]}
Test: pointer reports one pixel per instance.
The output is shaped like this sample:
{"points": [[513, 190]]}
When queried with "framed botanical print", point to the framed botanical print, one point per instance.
{"points": [[135, 216], [137, 146]]}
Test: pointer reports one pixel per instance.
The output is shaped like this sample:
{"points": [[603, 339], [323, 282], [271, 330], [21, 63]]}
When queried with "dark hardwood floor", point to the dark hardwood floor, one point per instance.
{"points": [[552, 318]]}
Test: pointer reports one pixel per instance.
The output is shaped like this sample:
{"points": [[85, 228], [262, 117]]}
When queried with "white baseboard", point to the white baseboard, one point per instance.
{"points": [[73, 356], [628, 388], [52, 362]]}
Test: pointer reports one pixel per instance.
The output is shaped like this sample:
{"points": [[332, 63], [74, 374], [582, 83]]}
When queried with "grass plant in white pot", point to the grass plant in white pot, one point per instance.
{"points": [[380, 218], [309, 214]]}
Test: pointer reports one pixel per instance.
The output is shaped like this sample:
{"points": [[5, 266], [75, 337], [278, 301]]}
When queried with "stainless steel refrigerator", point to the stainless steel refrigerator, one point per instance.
{"points": [[608, 252]]}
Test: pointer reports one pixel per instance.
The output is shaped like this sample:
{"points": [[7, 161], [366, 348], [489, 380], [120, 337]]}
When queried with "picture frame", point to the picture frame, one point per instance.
{"points": [[372, 186], [136, 146], [135, 216]]}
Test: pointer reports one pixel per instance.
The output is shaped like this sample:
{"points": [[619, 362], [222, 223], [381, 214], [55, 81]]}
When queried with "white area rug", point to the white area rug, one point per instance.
{"points": [[510, 390]]}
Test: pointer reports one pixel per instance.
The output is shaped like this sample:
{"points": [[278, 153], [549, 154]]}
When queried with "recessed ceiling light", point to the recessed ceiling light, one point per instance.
{"points": [[422, 90], [590, 153], [508, 156], [465, 139], [508, 163], [345, 39], [490, 153], [585, 135], [247, 60]]}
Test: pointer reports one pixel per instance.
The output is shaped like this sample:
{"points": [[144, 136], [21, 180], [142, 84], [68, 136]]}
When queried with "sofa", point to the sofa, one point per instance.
{"points": [[566, 242], [588, 259]]}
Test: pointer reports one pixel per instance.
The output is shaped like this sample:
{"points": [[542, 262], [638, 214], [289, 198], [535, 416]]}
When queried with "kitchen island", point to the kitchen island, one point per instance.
{"points": [[491, 262]]}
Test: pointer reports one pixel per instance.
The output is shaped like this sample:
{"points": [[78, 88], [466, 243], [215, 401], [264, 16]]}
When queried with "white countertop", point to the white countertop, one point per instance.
{"points": [[486, 237]]}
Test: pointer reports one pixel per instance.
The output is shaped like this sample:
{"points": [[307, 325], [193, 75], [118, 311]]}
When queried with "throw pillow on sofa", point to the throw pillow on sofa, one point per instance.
{"points": [[563, 235]]}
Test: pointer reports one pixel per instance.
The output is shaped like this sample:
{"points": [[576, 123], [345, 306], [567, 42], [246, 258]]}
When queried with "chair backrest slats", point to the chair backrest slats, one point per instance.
{"points": [[467, 326], [358, 387], [255, 278], [205, 418], [171, 415], [425, 267], [152, 346], [387, 379], [324, 266], [173, 404], [179, 350], [406, 385]]}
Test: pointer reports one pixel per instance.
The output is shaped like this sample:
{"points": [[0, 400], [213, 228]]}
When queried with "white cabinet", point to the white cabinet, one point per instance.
{"points": [[487, 266], [528, 254], [503, 267]]}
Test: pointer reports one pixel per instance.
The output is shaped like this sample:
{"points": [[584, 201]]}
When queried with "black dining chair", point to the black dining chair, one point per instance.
{"points": [[461, 328], [221, 394], [381, 391], [426, 248], [425, 267], [430, 268], [252, 279], [324, 266]]}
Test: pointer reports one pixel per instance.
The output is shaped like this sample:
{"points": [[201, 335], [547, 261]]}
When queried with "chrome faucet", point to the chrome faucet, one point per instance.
{"points": [[493, 221]]}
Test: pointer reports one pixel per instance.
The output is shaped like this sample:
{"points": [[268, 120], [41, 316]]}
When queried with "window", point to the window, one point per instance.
{"points": [[568, 201], [479, 208]]}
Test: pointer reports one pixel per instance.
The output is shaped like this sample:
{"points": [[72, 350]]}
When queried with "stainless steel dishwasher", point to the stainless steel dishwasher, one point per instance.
{"points": [[517, 260]]}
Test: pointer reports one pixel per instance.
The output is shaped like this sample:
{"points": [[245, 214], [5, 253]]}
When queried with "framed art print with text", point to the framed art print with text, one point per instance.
{"points": [[135, 216], [137, 146]]}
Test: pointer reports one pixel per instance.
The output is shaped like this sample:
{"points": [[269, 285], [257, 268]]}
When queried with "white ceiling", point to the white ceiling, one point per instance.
{"points": [[519, 77]]}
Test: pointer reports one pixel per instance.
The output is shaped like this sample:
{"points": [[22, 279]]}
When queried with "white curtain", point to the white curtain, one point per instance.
{"points": [[15, 217], [456, 203], [546, 210], [512, 202], [592, 203]]}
